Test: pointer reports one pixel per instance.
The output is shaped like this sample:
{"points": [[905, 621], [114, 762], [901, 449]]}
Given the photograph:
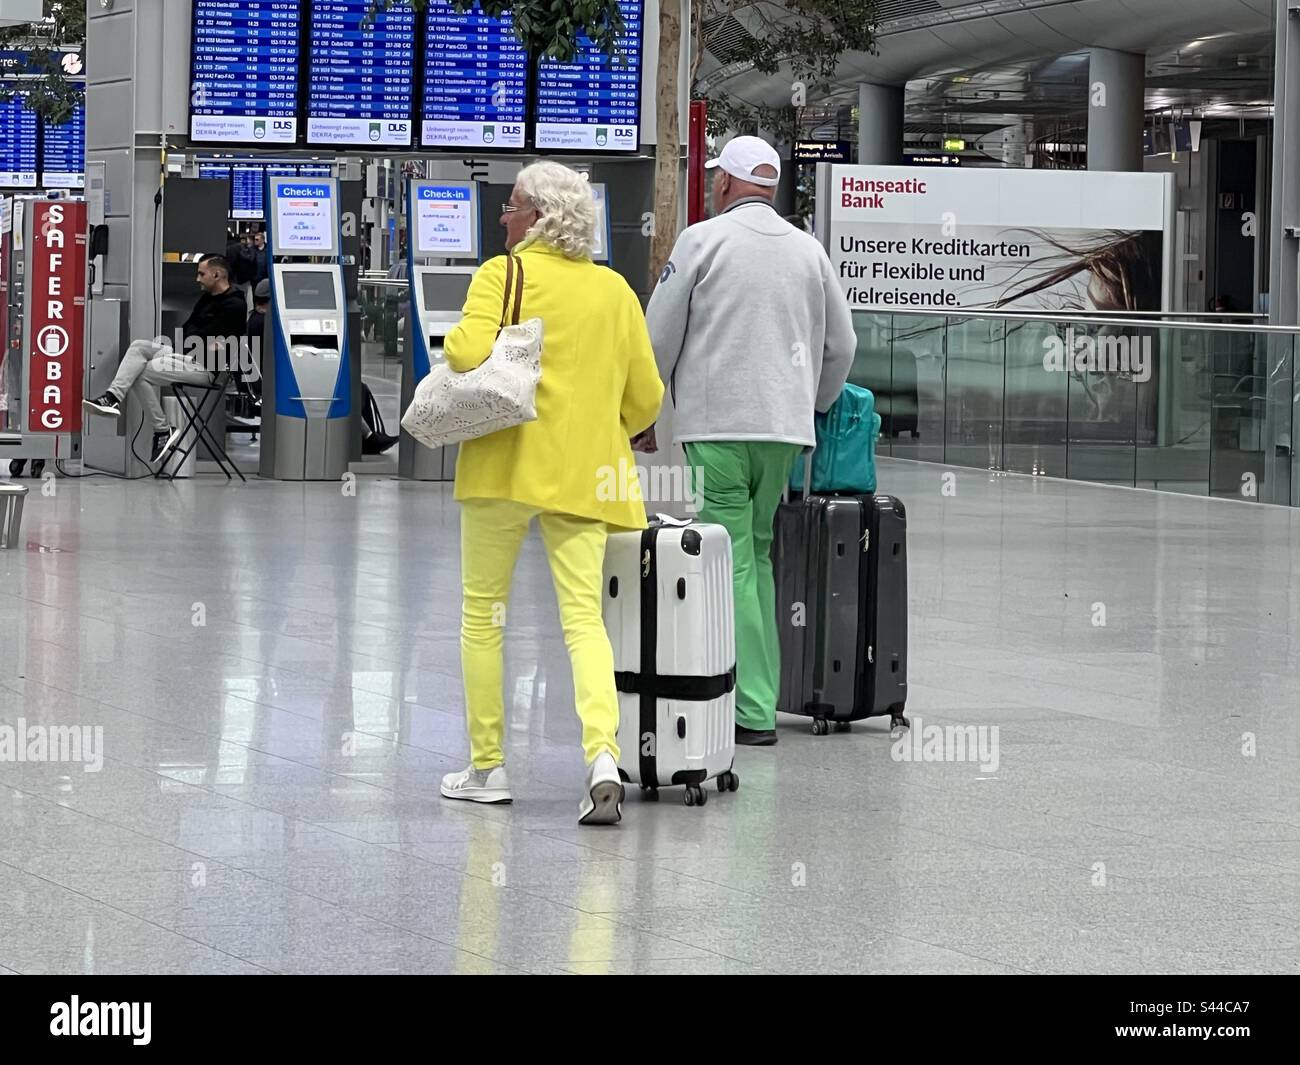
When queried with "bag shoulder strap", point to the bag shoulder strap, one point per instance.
{"points": [[505, 294], [519, 287]]}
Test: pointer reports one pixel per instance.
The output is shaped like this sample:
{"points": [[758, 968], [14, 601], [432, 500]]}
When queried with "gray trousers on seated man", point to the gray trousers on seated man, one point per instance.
{"points": [[147, 365]]}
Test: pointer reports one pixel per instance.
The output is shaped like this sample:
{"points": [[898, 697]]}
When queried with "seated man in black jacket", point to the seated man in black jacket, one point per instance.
{"points": [[210, 339]]}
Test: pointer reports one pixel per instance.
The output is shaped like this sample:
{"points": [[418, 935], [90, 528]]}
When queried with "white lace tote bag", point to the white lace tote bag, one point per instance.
{"points": [[499, 393]]}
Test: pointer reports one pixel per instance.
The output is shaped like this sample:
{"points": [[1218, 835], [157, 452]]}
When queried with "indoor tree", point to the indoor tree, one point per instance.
{"points": [[52, 93]]}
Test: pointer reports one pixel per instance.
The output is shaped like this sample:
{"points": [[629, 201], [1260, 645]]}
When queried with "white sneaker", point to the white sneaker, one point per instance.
{"points": [[477, 785], [603, 803]]}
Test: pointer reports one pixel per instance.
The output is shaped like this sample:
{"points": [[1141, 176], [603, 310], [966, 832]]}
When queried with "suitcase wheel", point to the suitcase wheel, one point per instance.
{"points": [[696, 795], [728, 781], [844, 726], [649, 794], [898, 721], [820, 726]]}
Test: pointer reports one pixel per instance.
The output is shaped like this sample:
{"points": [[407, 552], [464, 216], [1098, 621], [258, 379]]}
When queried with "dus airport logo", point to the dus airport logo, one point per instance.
{"points": [[489, 134], [259, 128]]}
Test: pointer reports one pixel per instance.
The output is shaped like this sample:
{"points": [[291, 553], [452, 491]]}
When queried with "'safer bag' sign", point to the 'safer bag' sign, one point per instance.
{"points": [[57, 314]]}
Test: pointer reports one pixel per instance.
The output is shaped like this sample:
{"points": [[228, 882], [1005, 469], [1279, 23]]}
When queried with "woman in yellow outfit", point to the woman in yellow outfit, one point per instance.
{"points": [[599, 387]]}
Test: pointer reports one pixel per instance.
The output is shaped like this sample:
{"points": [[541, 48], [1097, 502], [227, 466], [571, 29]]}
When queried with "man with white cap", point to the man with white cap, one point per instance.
{"points": [[752, 335]]}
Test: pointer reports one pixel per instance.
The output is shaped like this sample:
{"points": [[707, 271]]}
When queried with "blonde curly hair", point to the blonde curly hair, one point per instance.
{"points": [[566, 207]]}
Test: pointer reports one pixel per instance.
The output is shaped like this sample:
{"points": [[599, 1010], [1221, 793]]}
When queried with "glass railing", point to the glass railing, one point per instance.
{"points": [[1200, 408]]}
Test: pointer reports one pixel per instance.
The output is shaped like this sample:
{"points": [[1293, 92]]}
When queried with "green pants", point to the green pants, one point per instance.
{"points": [[739, 486]]}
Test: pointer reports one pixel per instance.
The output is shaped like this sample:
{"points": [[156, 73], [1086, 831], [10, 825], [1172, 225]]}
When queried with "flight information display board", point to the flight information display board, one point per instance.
{"points": [[214, 171], [248, 184], [362, 77], [244, 71], [63, 151], [593, 103], [17, 144], [475, 92]]}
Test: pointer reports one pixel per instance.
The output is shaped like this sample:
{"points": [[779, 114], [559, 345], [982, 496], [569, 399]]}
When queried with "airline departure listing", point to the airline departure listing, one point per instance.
{"points": [[475, 83], [593, 103], [244, 71], [362, 76], [248, 184], [17, 144], [63, 152]]}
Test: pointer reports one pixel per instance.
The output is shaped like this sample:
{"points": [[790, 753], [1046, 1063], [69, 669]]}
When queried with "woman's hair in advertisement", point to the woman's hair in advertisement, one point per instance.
{"points": [[1122, 270]]}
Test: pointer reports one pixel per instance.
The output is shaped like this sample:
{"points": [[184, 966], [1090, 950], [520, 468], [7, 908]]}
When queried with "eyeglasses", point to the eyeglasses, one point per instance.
{"points": [[510, 208]]}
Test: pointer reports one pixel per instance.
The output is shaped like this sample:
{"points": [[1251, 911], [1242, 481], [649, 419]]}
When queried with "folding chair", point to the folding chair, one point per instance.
{"points": [[196, 417]]}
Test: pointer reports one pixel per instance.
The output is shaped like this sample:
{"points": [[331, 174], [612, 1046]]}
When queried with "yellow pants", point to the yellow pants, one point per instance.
{"points": [[491, 533]]}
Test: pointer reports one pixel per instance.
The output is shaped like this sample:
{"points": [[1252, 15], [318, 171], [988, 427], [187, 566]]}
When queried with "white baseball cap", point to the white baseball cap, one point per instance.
{"points": [[741, 156]]}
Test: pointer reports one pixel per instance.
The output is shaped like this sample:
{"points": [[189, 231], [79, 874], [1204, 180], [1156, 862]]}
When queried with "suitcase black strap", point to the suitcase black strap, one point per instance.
{"points": [[647, 737], [694, 689]]}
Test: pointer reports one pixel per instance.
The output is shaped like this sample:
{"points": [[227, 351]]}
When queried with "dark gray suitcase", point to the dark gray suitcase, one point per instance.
{"points": [[841, 588]]}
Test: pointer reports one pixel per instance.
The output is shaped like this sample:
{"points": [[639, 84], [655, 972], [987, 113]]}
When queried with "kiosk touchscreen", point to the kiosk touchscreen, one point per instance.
{"points": [[444, 228], [306, 432]]}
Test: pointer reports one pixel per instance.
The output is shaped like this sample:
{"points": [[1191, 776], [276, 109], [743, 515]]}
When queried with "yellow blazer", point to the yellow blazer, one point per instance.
{"points": [[599, 386]]}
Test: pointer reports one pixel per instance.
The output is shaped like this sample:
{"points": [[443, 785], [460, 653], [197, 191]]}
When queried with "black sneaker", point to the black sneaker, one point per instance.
{"points": [[105, 404], [163, 441], [755, 737]]}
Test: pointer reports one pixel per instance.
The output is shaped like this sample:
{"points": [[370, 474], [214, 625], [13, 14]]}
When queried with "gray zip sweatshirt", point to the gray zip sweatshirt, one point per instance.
{"points": [[750, 328]]}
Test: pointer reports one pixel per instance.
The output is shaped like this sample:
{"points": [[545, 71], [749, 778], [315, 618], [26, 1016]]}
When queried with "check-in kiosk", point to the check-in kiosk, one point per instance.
{"points": [[443, 245], [307, 389], [45, 277]]}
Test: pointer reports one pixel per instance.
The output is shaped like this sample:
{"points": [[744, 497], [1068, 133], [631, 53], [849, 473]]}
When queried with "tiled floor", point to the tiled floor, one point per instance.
{"points": [[274, 668]]}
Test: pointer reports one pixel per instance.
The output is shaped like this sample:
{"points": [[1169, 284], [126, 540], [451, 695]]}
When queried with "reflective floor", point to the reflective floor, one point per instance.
{"points": [[274, 669]]}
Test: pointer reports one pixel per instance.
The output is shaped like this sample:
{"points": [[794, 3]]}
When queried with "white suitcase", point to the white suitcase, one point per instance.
{"points": [[671, 619]]}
